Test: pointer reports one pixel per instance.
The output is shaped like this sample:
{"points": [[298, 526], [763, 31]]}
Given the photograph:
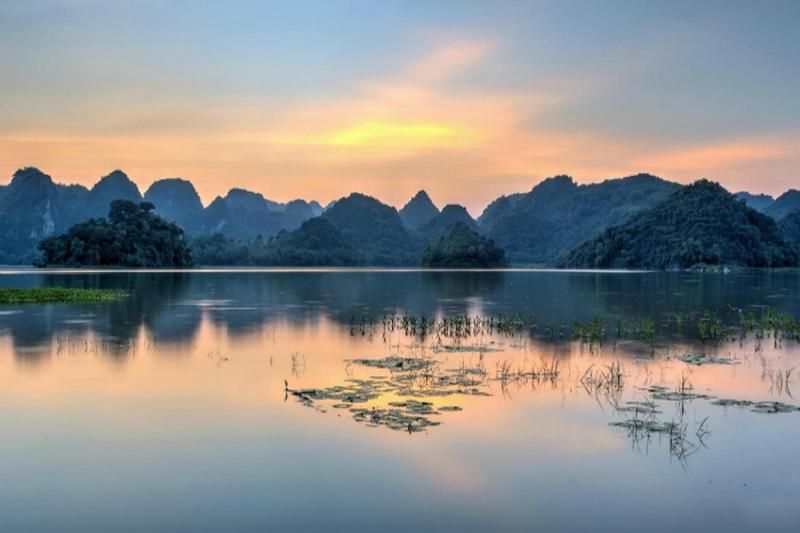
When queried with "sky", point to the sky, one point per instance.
{"points": [[468, 100]]}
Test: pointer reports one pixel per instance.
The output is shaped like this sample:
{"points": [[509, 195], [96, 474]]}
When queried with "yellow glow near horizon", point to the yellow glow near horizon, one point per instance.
{"points": [[416, 135]]}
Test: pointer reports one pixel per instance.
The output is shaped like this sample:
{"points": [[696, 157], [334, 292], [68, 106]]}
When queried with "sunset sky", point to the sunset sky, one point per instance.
{"points": [[468, 100]]}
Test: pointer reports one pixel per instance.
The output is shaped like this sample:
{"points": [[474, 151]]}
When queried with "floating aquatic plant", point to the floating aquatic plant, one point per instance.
{"points": [[409, 377], [766, 407], [703, 359], [43, 295], [394, 362]]}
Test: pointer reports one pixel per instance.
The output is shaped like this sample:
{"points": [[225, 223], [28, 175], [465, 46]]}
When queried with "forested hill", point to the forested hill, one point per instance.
{"points": [[376, 230], [784, 204], [419, 210], [759, 202], [33, 206], [460, 246], [315, 243], [439, 224], [700, 224], [245, 227], [790, 226], [131, 236], [557, 214]]}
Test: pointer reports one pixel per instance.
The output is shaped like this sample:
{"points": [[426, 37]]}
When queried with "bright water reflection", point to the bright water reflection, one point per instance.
{"points": [[168, 411]]}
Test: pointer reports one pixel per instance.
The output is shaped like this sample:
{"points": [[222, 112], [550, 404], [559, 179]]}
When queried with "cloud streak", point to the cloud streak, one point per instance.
{"points": [[430, 123]]}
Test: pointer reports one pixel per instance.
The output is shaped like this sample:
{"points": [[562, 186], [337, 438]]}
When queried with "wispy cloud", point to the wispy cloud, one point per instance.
{"points": [[450, 60], [718, 156], [428, 124]]}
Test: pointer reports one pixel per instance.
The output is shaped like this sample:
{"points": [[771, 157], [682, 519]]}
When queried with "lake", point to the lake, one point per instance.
{"points": [[369, 400]]}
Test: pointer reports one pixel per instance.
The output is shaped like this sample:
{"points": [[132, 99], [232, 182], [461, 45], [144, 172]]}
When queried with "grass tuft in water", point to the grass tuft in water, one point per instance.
{"points": [[44, 295]]}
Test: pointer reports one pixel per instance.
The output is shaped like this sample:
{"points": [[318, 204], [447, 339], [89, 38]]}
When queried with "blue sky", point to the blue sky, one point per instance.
{"points": [[466, 99]]}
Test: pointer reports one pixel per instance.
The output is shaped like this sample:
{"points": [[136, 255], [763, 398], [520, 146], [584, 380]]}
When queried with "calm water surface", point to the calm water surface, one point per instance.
{"points": [[168, 411]]}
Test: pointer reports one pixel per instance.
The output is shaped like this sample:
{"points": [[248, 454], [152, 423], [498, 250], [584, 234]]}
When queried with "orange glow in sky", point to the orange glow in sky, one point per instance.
{"points": [[467, 111]]}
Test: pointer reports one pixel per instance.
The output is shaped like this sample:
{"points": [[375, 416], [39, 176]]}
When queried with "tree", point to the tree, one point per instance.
{"points": [[132, 236], [461, 247]]}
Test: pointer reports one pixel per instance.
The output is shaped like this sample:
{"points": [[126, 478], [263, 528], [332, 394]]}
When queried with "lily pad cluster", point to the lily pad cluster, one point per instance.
{"points": [[394, 362], [639, 408], [698, 359], [687, 394], [767, 407], [409, 377], [658, 392], [645, 425], [411, 416]]}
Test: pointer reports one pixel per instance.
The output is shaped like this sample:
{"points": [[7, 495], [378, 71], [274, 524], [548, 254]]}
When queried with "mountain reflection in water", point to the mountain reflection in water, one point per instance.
{"points": [[471, 400]]}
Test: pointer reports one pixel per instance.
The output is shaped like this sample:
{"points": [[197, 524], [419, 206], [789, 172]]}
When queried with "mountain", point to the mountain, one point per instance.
{"points": [[790, 226], [298, 210], [220, 218], [132, 236], [241, 214], [32, 207], [557, 214], [315, 243], [115, 186], [375, 229], [419, 210], [451, 214], [784, 204], [497, 210], [252, 202], [700, 224], [177, 201], [759, 202], [244, 215], [462, 247], [535, 227], [316, 208]]}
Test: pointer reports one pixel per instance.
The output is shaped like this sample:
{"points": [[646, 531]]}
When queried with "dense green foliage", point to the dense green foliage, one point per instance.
{"points": [[700, 224], [784, 204], [132, 236], [419, 210], [790, 226], [535, 228], [40, 295], [315, 243], [497, 210], [439, 224], [375, 229], [219, 250], [462, 247]]}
